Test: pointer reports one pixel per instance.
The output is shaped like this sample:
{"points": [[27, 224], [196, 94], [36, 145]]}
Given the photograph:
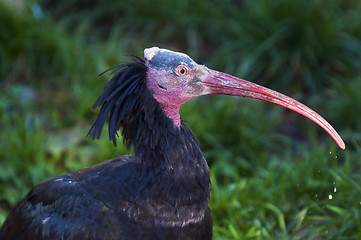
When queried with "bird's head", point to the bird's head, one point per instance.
{"points": [[174, 78]]}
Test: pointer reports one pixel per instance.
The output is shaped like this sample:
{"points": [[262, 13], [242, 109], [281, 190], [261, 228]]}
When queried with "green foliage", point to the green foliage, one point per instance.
{"points": [[293, 43], [274, 175], [347, 105], [298, 199]]}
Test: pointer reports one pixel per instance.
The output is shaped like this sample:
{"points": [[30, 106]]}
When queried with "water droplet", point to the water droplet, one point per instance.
{"points": [[330, 196], [334, 189], [330, 152]]}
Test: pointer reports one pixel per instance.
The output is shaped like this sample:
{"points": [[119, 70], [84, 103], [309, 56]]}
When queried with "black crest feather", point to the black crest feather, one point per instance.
{"points": [[121, 95], [129, 105]]}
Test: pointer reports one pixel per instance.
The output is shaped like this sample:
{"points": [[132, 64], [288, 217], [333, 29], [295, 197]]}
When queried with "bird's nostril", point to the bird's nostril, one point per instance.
{"points": [[162, 87]]}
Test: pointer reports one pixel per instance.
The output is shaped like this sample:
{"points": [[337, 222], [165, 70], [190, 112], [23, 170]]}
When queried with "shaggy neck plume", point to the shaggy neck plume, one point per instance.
{"points": [[159, 138]]}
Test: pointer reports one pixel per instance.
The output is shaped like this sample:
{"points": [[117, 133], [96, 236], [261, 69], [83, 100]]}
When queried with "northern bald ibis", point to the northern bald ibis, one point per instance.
{"points": [[160, 192]]}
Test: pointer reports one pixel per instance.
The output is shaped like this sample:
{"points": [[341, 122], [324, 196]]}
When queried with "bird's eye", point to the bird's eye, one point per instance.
{"points": [[181, 70]]}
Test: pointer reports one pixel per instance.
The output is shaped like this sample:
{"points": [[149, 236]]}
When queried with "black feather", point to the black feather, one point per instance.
{"points": [[121, 95]]}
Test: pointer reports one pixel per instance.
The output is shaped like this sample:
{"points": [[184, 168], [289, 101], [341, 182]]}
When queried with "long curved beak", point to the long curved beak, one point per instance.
{"points": [[221, 83]]}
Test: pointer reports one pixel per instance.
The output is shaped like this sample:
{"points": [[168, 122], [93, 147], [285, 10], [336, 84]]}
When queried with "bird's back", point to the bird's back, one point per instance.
{"points": [[105, 201]]}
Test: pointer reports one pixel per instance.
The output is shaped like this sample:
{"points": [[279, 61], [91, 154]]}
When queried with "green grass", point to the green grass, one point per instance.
{"points": [[275, 174]]}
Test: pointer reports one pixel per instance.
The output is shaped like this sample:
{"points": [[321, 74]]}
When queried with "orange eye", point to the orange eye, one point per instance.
{"points": [[182, 70]]}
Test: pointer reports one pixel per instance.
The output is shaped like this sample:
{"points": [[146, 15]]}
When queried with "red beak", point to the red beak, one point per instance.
{"points": [[221, 83]]}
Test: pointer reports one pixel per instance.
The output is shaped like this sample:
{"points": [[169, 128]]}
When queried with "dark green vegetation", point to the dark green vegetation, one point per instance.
{"points": [[275, 174]]}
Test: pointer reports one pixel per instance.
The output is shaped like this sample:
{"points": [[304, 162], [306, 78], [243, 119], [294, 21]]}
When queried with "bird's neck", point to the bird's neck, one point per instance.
{"points": [[161, 143], [172, 112], [172, 163], [167, 144]]}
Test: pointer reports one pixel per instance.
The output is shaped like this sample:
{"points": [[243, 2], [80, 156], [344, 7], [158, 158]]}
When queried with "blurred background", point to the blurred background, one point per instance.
{"points": [[275, 174]]}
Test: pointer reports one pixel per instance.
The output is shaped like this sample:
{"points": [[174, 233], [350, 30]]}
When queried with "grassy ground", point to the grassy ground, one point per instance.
{"points": [[275, 175]]}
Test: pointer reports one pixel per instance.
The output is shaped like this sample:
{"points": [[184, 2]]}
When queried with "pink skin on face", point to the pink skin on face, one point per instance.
{"points": [[170, 98], [178, 79], [175, 90]]}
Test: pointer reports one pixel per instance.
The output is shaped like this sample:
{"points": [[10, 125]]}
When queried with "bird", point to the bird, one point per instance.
{"points": [[162, 191]]}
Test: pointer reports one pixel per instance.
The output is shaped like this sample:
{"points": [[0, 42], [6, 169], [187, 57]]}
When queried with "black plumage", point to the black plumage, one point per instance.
{"points": [[161, 192]]}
